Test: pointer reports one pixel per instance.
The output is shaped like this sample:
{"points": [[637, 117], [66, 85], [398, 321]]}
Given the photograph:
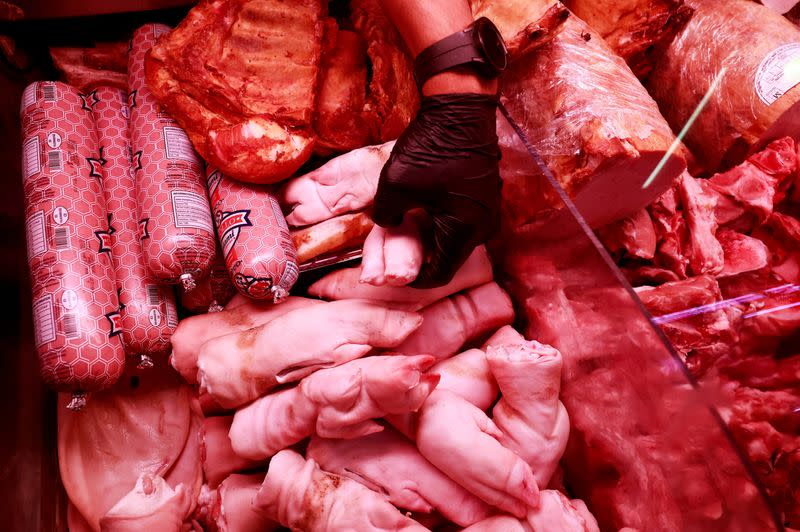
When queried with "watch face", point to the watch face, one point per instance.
{"points": [[491, 42]]}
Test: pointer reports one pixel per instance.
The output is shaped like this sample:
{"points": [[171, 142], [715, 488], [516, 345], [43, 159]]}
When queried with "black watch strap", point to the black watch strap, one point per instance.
{"points": [[452, 51]]}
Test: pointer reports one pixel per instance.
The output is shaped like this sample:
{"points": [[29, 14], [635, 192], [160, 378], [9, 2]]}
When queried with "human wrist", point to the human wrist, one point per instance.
{"points": [[459, 80]]}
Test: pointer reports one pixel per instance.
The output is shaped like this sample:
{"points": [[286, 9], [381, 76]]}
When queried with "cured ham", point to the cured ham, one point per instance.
{"points": [[338, 402], [239, 367], [262, 59]]}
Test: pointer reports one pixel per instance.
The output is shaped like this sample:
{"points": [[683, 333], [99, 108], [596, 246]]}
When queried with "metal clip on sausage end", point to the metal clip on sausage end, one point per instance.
{"points": [[215, 307], [145, 362], [278, 294], [188, 282], [77, 402]]}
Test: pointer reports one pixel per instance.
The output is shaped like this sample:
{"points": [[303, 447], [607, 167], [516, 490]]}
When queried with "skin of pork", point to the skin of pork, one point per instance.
{"points": [[389, 464], [151, 505], [240, 367], [299, 495], [194, 331], [556, 513], [345, 284], [393, 255], [236, 511], [450, 323], [460, 440], [534, 422], [219, 459], [346, 183], [339, 402]]}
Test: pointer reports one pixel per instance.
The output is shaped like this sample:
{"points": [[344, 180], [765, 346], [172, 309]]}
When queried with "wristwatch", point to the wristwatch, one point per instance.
{"points": [[480, 47]]}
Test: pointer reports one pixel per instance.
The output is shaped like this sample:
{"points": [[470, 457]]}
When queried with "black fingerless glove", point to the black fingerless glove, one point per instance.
{"points": [[447, 163]]}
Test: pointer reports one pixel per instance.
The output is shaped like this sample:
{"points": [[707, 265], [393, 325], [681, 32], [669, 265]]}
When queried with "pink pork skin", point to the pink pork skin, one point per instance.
{"points": [[299, 495], [452, 322], [237, 368], [460, 440], [345, 284], [219, 460], [151, 505], [556, 513], [339, 402], [389, 464], [534, 422], [234, 510]]}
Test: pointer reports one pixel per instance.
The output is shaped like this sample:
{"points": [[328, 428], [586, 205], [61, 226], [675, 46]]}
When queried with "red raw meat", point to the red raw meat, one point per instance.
{"points": [[742, 253], [671, 232], [634, 236], [705, 251], [241, 78]]}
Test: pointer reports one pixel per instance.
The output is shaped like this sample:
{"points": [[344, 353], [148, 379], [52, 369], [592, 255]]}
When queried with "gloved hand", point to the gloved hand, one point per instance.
{"points": [[446, 162]]}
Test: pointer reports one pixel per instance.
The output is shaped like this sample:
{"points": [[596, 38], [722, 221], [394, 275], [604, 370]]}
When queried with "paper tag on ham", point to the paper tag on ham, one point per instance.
{"points": [[778, 73]]}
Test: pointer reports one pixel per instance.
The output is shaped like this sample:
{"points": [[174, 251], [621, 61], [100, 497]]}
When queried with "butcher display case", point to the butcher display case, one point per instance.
{"points": [[674, 299]]}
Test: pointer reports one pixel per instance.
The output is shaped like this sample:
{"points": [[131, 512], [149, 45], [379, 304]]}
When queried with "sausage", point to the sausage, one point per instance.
{"points": [[258, 249], [175, 224], [212, 292], [149, 316], [76, 316]]}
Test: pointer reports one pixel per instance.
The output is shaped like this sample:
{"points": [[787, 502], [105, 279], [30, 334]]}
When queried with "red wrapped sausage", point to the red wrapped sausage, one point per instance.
{"points": [[175, 224], [258, 249], [75, 308], [212, 292], [148, 309]]}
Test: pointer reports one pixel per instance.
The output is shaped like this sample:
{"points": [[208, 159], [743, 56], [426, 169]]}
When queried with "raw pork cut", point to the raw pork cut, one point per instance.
{"points": [[393, 255], [534, 423], [705, 251], [299, 495], [344, 232], [219, 459], [187, 471], [392, 97], [340, 121], [344, 284], [634, 236], [593, 124], [460, 440], [339, 402], [87, 68], [747, 107], [194, 331], [742, 253], [450, 323], [344, 184], [151, 505], [140, 426], [524, 25], [389, 464], [556, 513], [239, 367], [241, 77], [637, 30], [231, 508]]}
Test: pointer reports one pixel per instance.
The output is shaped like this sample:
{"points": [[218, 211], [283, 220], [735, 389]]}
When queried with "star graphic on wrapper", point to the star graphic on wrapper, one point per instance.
{"points": [[96, 165], [115, 323], [111, 229], [105, 241], [119, 300], [89, 100], [136, 163], [144, 229], [132, 99]]}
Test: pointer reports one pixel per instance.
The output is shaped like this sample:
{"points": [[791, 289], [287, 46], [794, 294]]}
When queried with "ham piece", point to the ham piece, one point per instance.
{"points": [[593, 124], [344, 184], [339, 402], [460, 440], [239, 367], [534, 422], [388, 463], [151, 505], [743, 112], [241, 79], [637, 30], [299, 495], [450, 323], [219, 459], [194, 331], [344, 284]]}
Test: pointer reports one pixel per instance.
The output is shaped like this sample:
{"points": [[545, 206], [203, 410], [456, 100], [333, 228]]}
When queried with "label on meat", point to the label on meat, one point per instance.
{"points": [[229, 225], [29, 96], [35, 235], [44, 323], [778, 73], [191, 210], [31, 163], [178, 144]]}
